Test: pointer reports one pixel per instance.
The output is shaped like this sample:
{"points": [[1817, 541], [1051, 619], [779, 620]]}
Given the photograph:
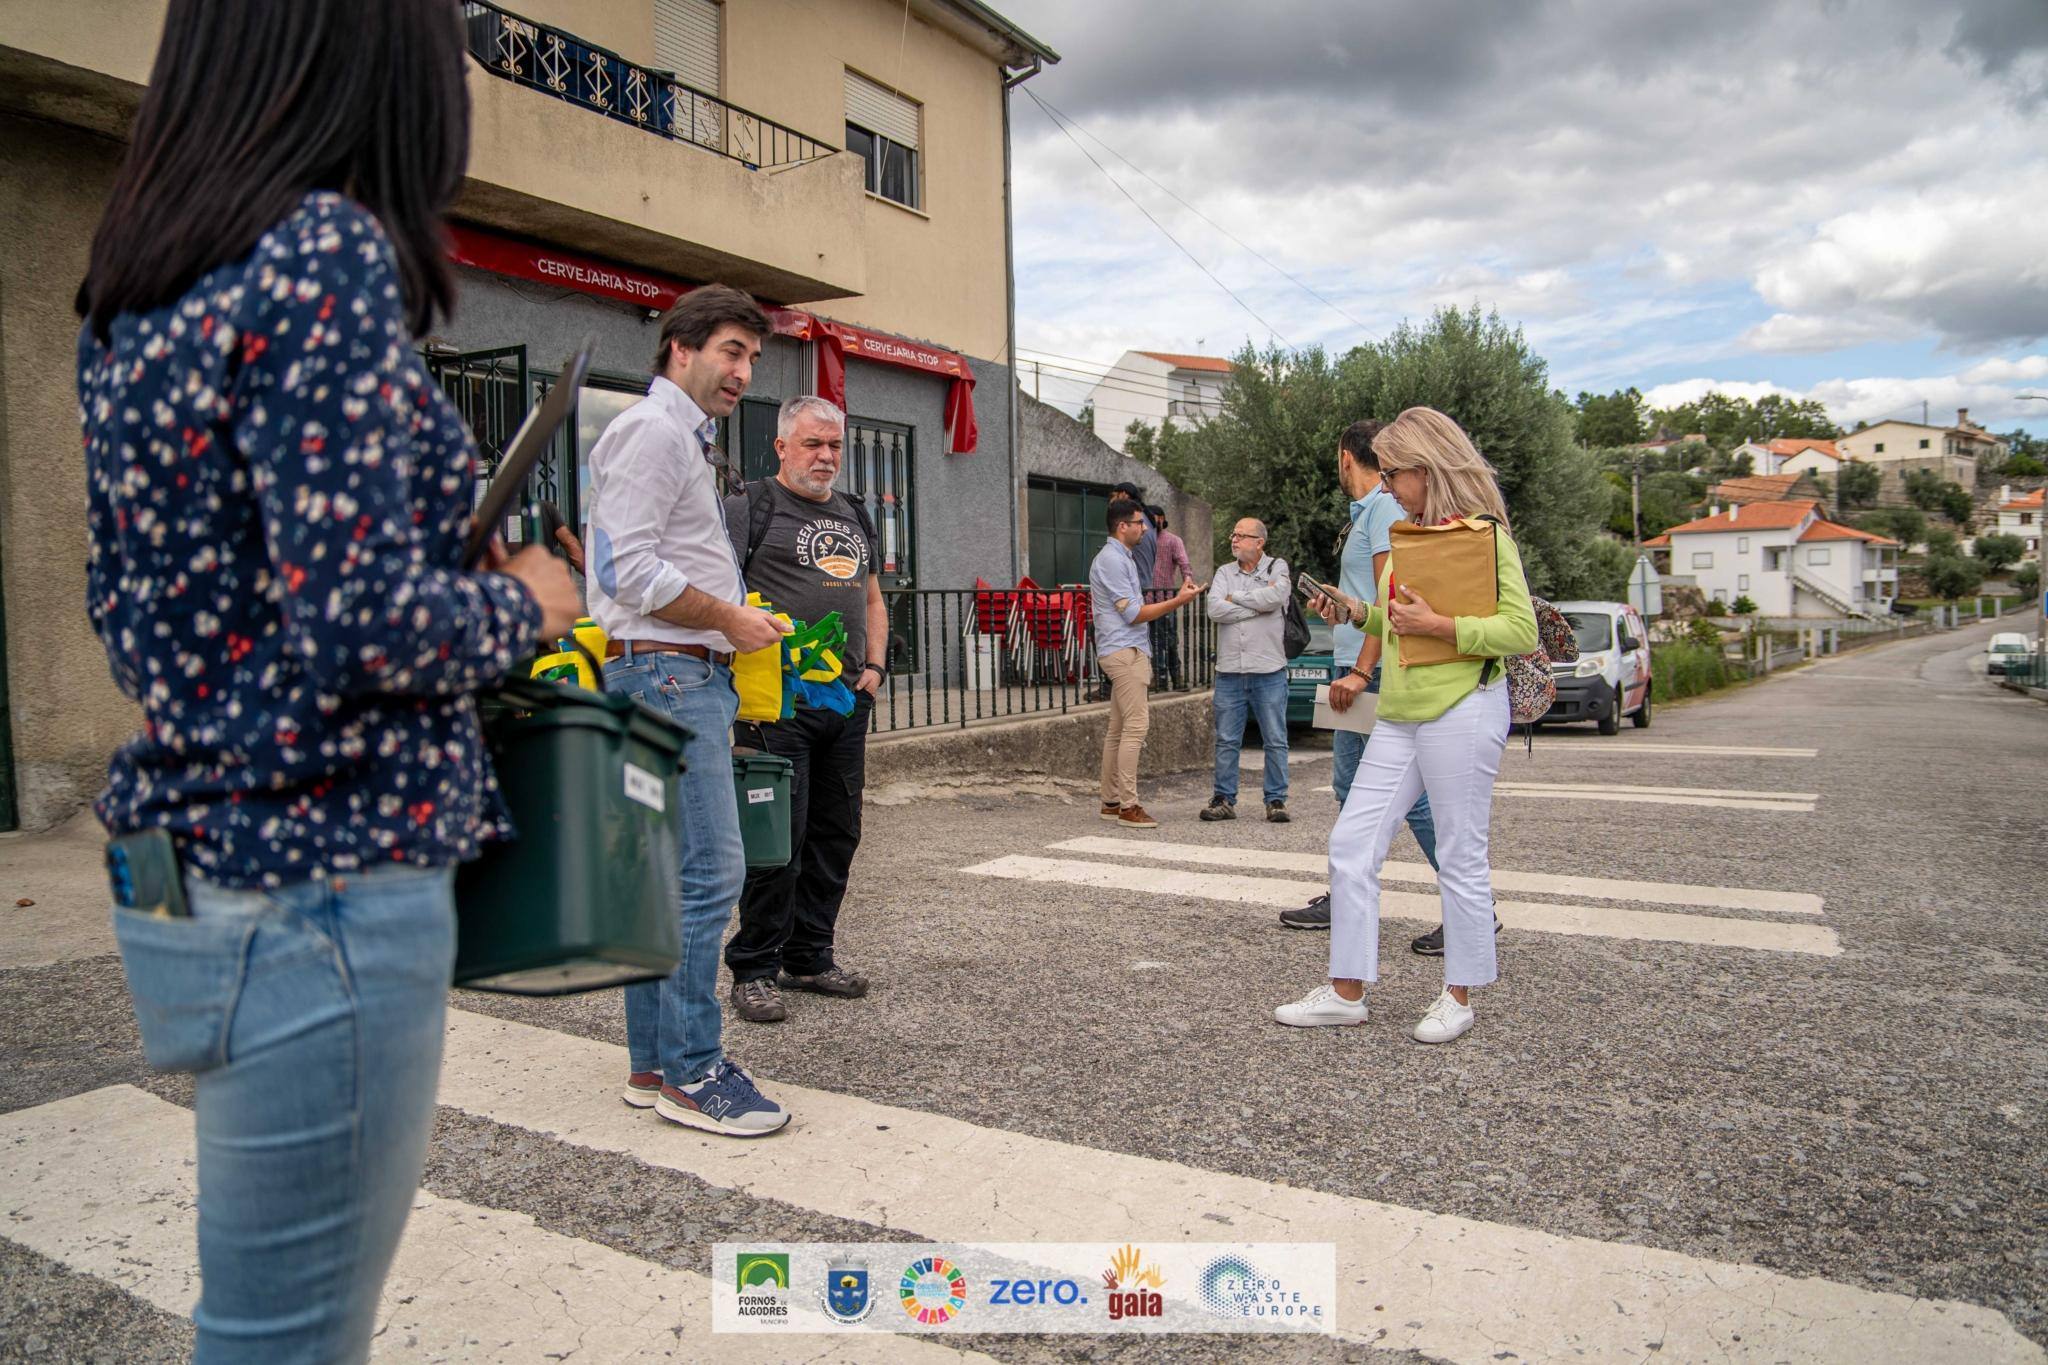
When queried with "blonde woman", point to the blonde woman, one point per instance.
{"points": [[1441, 730]]}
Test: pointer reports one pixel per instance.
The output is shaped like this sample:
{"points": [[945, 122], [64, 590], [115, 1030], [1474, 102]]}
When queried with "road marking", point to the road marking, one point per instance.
{"points": [[1642, 796], [1597, 921], [1794, 803], [103, 1182], [1595, 888], [1445, 1286], [1609, 748]]}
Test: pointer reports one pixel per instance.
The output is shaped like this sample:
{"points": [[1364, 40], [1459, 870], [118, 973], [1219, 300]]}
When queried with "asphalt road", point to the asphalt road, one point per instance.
{"points": [[1851, 1091]]}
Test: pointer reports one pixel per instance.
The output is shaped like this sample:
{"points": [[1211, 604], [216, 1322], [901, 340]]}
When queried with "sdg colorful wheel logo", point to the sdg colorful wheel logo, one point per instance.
{"points": [[933, 1290]]}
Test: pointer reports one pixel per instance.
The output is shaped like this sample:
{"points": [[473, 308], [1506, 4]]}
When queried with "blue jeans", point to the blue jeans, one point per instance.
{"points": [[672, 1025], [1346, 748], [312, 1017], [1265, 696]]}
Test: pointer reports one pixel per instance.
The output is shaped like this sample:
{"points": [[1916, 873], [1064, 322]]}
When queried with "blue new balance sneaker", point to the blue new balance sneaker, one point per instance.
{"points": [[725, 1101]]}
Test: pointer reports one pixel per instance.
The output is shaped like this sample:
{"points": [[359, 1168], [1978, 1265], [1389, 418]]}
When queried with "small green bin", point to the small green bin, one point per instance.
{"points": [[585, 897], [761, 782]]}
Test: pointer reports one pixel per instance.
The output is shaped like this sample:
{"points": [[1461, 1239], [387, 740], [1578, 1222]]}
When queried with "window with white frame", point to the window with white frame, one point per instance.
{"points": [[886, 129], [1703, 559], [1742, 582], [1742, 545], [1816, 556]]}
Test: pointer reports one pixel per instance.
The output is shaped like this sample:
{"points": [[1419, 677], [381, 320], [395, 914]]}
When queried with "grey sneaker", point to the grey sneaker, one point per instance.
{"points": [[1276, 811], [1431, 944], [834, 980], [758, 1002], [1314, 915], [1219, 809]]}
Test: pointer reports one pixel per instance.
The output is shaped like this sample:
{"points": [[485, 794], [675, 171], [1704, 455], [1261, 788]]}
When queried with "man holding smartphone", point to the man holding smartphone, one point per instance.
{"points": [[1367, 544]]}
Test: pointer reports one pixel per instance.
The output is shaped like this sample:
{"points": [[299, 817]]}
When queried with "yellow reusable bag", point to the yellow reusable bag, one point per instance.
{"points": [[1454, 568], [569, 664], [757, 674]]}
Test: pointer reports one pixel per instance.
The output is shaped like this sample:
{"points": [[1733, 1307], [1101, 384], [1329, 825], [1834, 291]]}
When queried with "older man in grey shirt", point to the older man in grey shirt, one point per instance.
{"points": [[1248, 602]]}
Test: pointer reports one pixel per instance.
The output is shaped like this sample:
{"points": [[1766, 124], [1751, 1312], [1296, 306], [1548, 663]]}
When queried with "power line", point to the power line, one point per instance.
{"points": [[1043, 108], [1111, 369], [1069, 375], [1300, 283]]}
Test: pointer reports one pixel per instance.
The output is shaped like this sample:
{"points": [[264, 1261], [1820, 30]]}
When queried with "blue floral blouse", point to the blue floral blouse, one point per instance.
{"points": [[278, 497]]}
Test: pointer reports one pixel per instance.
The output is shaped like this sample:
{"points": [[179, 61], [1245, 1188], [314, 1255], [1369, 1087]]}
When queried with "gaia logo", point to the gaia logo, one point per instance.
{"points": [[1133, 1286], [833, 546], [933, 1290], [763, 1278], [846, 1291]]}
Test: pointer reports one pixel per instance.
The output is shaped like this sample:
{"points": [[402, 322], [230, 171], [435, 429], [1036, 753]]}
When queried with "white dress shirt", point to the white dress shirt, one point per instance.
{"points": [[656, 525]]}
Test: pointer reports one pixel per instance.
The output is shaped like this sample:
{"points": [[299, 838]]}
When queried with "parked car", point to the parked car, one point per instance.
{"points": [[1309, 670], [1612, 676], [2008, 646]]}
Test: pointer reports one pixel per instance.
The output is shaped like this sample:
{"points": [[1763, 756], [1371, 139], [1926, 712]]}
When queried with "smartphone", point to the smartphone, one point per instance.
{"points": [[1308, 587], [142, 872]]}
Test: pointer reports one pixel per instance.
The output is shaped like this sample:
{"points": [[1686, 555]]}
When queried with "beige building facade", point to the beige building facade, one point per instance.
{"points": [[1954, 452], [654, 146]]}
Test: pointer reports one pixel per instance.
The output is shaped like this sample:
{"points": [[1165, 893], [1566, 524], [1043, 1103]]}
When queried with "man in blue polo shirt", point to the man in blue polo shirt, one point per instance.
{"points": [[1123, 646], [1367, 543]]}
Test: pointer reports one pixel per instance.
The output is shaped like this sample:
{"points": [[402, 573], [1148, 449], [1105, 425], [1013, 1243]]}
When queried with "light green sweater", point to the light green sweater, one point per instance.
{"points": [[1426, 691]]}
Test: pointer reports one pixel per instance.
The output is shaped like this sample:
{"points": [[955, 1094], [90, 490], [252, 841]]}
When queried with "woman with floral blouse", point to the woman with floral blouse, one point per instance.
{"points": [[278, 499]]}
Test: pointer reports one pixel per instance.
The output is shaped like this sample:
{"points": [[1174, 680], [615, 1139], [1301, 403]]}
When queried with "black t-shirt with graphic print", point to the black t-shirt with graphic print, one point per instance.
{"points": [[811, 559]]}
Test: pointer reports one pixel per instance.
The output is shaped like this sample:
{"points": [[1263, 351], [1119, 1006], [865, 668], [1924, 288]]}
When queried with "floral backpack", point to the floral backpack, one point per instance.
{"points": [[1531, 691]]}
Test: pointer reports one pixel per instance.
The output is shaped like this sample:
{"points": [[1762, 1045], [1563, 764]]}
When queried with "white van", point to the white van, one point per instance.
{"points": [[1612, 676]]}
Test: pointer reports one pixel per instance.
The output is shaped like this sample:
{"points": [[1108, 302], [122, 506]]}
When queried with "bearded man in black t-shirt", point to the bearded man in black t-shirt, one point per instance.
{"points": [[809, 550]]}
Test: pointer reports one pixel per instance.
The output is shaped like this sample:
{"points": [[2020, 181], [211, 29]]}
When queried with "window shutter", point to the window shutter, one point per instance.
{"points": [[881, 110], [686, 41]]}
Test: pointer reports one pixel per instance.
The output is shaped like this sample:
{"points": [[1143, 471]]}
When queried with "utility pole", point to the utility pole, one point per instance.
{"points": [[1635, 497], [2041, 587]]}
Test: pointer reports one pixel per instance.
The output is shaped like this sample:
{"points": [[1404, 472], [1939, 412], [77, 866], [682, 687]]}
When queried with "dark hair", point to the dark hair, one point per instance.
{"points": [[250, 105], [1157, 513], [1128, 490], [695, 317], [1357, 441], [1121, 510]]}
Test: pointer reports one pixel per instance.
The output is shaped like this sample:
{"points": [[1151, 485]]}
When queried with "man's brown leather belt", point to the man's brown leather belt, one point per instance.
{"points": [[616, 649]]}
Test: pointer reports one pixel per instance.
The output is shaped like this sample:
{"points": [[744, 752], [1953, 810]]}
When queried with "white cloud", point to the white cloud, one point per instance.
{"points": [[1872, 399]]}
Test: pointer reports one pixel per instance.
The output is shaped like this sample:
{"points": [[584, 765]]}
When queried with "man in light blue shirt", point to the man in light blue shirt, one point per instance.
{"points": [[1367, 543], [1123, 646]]}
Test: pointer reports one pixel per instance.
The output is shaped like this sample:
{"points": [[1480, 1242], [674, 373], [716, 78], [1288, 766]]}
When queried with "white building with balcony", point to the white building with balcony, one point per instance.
{"points": [[1151, 386], [1788, 559], [2020, 515]]}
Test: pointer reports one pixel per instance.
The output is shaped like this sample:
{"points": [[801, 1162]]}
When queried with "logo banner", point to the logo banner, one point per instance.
{"points": [[1071, 1287]]}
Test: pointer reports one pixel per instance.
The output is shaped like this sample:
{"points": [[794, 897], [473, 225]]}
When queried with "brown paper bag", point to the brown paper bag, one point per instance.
{"points": [[1453, 568]]}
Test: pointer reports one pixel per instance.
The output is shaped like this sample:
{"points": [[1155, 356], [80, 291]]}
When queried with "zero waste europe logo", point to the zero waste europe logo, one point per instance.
{"points": [[1233, 1287]]}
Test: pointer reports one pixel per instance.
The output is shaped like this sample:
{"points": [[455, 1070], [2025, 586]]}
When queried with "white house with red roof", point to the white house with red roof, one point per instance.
{"points": [[2020, 515], [1787, 558], [1151, 386], [1800, 455]]}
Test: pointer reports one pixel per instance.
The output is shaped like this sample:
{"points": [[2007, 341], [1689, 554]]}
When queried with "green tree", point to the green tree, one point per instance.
{"points": [[1907, 525], [2023, 466], [1743, 606], [1613, 419], [1951, 576], [1942, 541], [1728, 421], [2027, 578], [1086, 417], [1998, 553], [1956, 504], [1859, 483]]}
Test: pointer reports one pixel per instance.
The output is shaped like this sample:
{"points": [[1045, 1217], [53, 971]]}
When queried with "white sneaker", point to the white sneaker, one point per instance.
{"points": [[1446, 1021], [1321, 1007]]}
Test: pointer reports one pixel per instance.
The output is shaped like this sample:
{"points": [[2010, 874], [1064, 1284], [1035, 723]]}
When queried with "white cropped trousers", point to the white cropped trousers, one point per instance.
{"points": [[1455, 758]]}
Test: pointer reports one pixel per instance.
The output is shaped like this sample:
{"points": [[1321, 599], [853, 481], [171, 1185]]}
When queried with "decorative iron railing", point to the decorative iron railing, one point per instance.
{"points": [[960, 656], [565, 66]]}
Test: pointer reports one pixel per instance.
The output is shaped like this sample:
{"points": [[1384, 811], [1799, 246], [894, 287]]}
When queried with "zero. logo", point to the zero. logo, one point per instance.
{"points": [[1035, 1293]]}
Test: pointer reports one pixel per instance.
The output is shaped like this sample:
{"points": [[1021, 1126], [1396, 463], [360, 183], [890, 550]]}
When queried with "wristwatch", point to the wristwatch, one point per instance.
{"points": [[879, 671]]}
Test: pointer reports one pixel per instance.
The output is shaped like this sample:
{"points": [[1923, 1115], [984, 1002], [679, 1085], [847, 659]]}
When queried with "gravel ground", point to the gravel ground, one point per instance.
{"points": [[1874, 1118]]}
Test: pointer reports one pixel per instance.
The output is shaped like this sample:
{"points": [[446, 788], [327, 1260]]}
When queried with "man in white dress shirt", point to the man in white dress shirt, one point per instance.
{"points": [[666, 589]]}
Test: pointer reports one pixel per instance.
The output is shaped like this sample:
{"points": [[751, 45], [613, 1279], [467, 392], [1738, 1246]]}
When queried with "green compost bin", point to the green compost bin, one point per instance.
{"points": [[585, 897], [761, 783]]}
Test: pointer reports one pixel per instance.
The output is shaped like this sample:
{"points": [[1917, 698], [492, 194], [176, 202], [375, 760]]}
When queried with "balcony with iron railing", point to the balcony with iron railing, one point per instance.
{"points": [[569, 68], [571, 142]]}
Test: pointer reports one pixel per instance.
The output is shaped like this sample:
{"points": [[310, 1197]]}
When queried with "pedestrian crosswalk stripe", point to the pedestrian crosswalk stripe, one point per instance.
{"points": [[1442, 1285], [1542, 883], [1593, 747], [1597, 921], [1790, 802], [1640, 796], [103, 1183]]}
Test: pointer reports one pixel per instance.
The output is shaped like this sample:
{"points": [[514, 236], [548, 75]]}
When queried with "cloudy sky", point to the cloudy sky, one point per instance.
{"points": [[1840, 199]]}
